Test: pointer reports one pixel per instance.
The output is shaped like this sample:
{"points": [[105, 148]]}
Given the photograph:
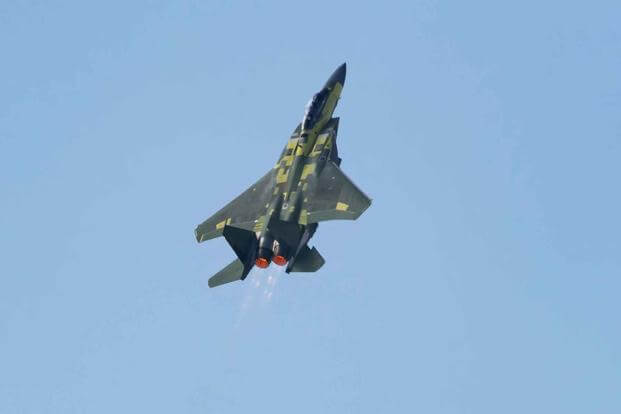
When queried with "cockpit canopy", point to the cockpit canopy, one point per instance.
{"points": [[313, 109]]}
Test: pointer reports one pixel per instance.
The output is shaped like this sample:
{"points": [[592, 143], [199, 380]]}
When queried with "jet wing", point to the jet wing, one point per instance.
{"points": [[332, 196], [241, 212]]}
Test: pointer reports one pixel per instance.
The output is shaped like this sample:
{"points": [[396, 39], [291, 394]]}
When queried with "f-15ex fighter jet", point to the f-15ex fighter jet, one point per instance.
{"points": [[274, 219]]}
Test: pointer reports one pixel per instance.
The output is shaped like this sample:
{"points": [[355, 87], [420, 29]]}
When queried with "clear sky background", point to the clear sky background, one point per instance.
{"points": [[485, 277]]}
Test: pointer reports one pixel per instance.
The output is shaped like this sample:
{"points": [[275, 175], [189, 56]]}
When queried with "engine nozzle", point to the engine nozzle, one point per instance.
{"points": [[280, 254], [262, 262], [265, 253], [280, 260]]}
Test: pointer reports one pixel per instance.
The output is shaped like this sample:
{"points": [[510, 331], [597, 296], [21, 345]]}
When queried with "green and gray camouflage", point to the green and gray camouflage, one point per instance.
{"points": [[274, 219]]}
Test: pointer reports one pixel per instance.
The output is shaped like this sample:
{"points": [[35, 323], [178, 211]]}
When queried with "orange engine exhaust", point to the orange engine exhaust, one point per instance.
{"points": [[279, 260], [262, 262]]}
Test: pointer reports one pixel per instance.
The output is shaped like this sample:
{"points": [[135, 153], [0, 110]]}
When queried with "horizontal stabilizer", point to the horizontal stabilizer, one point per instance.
{"points": [[308, 260], [234, 271]]}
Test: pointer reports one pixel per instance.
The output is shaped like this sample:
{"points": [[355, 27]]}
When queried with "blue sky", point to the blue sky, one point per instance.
{"points": [[483, 279]]}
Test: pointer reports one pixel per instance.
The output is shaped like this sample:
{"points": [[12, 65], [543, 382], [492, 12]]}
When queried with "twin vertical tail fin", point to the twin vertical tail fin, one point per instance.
{"points": [[243, 242]]}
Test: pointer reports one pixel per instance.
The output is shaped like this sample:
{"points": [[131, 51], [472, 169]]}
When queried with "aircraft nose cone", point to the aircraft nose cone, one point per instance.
{"points": [[337, 76]]}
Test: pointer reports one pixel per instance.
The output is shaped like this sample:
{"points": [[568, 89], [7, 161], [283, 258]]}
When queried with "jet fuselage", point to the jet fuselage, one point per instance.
{"points": [[302, 156], [273, 220]]}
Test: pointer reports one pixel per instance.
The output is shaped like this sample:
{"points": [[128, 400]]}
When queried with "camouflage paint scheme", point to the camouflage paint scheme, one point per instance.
{"points": [[276, 217]]}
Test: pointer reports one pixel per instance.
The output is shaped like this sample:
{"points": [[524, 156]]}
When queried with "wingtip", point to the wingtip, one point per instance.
{"points": [[198, 236]]}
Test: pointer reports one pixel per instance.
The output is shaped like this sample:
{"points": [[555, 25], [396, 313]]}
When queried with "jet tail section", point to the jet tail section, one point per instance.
{"points": [[287, 232], [307, 260]]}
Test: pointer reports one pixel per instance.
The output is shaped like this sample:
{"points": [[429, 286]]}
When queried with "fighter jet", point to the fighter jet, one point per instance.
{"points": [[274, 219]]}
